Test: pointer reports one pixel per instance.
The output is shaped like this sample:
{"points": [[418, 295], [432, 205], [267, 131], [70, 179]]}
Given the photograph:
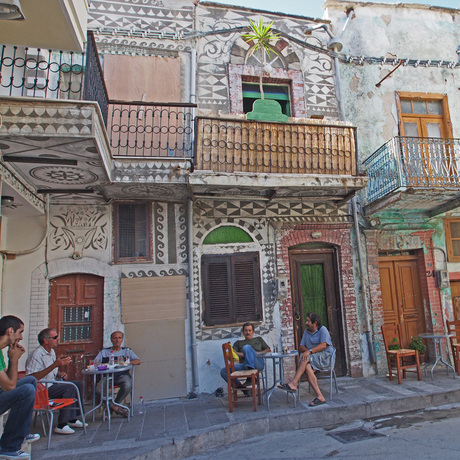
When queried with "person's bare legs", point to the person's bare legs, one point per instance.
{"points": [[305, 366], [313, 381], [300, 370]]}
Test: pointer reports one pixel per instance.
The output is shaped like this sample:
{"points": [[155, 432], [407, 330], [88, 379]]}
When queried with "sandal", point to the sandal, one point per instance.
{"points": [[286, 387], [119, 411], [316, 402]]}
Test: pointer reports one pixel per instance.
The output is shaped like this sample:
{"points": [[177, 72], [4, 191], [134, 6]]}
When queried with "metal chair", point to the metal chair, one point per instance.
{"points": [[328, 373], [453, 327], [233, 376], [392, 337], [48, 406]]}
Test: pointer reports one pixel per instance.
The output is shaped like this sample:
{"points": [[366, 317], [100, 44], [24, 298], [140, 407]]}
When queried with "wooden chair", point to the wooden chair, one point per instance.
{"points": [[453, 327], [44, 405], [233, 376], [392, 336]]}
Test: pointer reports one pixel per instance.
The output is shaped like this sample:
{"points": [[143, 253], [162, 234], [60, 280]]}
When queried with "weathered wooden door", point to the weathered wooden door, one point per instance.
{"points": [[402, 296], [455, 293], [76, 312], [315, 289]]}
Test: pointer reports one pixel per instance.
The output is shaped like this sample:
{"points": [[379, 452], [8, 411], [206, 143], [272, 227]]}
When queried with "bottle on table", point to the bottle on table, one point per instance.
{"points": [[141, 405], [127, 358], [111, 359]]}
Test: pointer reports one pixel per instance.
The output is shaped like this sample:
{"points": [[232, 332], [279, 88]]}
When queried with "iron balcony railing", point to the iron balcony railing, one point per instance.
{"points": [[253, 146], [53, 74], [413, 162], [141, 129]]}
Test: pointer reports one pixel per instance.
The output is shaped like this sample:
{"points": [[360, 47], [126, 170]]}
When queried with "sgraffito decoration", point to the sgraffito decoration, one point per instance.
{"points": [[78, 229]]}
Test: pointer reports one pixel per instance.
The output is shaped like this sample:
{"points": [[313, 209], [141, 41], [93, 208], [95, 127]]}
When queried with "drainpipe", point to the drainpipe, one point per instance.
{"points": [[370, 345], [191, 304], [336, 46]]}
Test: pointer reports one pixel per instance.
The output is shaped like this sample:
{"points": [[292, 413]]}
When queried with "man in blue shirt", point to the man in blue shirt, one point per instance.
{"points": [[315, 355]]}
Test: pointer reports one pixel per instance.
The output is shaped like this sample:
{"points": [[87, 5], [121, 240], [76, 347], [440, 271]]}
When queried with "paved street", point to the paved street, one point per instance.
{"points": [[179, 428], [430, 434]]}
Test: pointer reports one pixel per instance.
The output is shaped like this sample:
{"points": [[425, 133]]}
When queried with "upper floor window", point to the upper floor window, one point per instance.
{"points": [[132, 224], [279, 93], [452, 228], [424, 115]]}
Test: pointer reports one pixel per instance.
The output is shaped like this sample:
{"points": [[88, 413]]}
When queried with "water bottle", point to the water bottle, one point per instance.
{"points": [[141, 405], [111, 359], [127, 358]]}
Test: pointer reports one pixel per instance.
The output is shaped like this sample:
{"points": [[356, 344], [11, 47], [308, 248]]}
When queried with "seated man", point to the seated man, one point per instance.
{"points": [[316, 350], [247, 350], [43, 365], [17, 396], [122, 379]]}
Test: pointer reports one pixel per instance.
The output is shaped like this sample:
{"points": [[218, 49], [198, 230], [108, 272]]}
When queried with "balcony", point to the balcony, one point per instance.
{"points": [[53, 107], [275, 160], [49, 24], [414, 173]]}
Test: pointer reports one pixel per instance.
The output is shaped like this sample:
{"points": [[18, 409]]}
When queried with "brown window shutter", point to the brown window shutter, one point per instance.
{"points": [[246, 287], [217, 284], [231, 285]]}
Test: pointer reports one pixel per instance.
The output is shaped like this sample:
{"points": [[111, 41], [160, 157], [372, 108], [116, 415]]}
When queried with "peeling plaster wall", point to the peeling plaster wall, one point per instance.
{"points": [[396, 32]]}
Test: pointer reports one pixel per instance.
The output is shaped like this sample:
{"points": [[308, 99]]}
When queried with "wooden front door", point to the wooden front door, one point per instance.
{"points": [[455, 293], [315, 289], [76, 312], [401, 295]]}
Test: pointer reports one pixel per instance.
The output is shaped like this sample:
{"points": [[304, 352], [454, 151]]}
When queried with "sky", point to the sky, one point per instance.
{"points": [[312, 8]]}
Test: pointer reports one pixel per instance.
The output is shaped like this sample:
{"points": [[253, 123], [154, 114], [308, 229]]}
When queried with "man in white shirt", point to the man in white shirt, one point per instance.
{"points": [[122, 379], [43, 365]]}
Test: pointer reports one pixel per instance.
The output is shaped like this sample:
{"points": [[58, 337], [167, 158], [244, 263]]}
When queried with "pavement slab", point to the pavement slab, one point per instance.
{"points": [[177, 428]]}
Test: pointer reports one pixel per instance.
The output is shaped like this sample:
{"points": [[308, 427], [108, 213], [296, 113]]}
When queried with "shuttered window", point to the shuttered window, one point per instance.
{"points": [[231, 286], [132, 232]]}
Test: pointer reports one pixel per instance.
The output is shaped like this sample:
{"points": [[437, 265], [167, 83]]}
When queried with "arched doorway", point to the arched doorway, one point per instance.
{"points": [[76, 312], [315, 288]]}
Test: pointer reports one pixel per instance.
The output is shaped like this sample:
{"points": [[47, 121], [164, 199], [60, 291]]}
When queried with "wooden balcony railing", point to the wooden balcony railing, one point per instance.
{"points": [[224, 145]]}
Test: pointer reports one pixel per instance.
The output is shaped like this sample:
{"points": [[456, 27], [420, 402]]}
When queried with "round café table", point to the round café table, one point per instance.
{"points": [[107, 385], [437, 350], [277, 359]]}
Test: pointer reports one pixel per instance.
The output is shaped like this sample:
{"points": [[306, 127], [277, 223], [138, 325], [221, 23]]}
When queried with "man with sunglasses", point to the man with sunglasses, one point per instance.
{"points": [[43, 364]]}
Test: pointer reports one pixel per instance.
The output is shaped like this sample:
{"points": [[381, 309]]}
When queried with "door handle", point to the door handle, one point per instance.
{"points": [[297, 316]]}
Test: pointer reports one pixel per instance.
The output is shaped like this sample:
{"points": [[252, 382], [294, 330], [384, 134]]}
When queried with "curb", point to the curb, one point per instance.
{"points": [[224, 435]]}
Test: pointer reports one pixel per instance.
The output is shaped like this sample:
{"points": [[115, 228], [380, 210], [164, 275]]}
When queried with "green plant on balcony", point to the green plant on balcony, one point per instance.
{"points": [[259, 38]]}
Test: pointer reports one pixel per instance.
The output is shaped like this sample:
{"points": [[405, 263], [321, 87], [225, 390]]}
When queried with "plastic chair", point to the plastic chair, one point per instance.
{"points": [[233, 376], [48, 406], [392, 336], [328, 373], [453, 327]]}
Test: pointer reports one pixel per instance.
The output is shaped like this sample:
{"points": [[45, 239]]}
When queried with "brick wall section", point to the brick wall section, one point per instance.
{"points": [[338, 236]]}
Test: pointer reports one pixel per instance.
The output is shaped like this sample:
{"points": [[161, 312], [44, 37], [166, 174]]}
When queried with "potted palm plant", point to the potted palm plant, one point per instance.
{"points": [[259, 38]]}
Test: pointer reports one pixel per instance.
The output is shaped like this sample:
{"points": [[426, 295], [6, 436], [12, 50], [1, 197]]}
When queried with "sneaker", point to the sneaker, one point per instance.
{"points": [[12, 455], [76, 424], [32, 438], [64, 430]]}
